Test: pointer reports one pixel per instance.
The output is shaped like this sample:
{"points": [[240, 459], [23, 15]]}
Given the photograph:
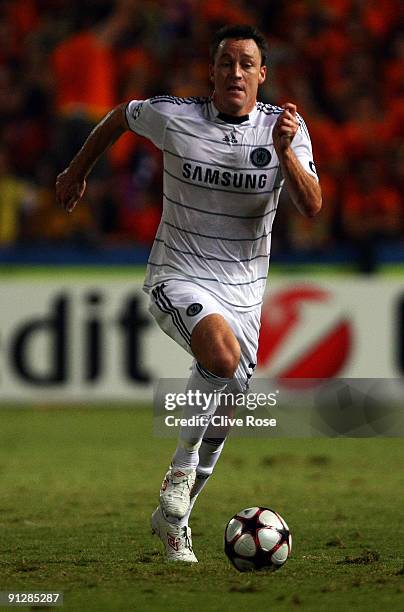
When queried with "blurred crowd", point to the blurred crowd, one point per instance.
{"points": [[64, 64]]}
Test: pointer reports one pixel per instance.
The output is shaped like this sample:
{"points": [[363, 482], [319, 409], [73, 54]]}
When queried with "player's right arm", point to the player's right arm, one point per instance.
{"points": [[71, 183]]}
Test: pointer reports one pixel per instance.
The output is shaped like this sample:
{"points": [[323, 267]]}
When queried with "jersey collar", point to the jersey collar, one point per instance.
{"points": [[216, 115], [233, 120]]}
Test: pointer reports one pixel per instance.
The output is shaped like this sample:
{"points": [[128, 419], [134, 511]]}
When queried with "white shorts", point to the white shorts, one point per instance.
{"points": [[178, 306]]}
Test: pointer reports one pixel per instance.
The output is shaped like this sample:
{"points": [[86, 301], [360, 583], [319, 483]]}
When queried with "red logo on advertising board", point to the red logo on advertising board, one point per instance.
{"points": [[303, 334]]}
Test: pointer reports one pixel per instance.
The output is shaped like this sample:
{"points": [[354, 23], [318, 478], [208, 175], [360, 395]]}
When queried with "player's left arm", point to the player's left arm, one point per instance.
{"points": [[302, 186]]}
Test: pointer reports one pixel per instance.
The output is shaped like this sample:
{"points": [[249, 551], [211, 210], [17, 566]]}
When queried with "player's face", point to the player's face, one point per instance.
{"points": [[236, 75]]}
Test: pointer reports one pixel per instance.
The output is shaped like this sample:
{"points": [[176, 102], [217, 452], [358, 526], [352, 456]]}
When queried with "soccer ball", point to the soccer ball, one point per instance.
{"points": [[257, 539]]}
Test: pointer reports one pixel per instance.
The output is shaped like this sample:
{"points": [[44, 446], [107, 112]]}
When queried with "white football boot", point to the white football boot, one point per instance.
{"points": [[176, 490], [177, 540]]}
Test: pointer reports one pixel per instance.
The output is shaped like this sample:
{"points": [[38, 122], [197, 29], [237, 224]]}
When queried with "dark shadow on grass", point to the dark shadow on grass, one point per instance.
{"points": [[368, 557]]}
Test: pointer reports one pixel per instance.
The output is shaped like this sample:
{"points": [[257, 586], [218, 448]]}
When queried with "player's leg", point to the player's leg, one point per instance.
{"points": [[180, 310], [175, 532], [209, 453], [247, 328], [217, 354]]}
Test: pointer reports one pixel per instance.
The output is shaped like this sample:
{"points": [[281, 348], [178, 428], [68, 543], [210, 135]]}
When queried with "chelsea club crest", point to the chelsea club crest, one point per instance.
{"points": [[260, 157], [194, 309]]}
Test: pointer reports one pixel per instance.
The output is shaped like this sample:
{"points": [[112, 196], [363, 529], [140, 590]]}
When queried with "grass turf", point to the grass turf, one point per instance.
{"points": [[78, 486]]}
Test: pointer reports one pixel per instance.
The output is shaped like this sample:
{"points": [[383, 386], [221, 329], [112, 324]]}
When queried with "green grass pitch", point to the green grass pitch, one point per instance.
{"points": [[77, 487]]}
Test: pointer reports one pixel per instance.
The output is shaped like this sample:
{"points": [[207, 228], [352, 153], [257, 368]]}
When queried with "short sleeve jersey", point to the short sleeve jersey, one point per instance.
{"points": [[222, 182]]}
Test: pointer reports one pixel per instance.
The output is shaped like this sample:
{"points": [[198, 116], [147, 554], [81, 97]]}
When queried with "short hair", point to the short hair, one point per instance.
{"points": [[240, 32]]}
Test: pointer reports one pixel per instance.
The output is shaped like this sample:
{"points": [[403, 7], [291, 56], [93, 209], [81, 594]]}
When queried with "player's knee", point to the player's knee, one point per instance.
{"points": [[224, 361], [215, 346]]}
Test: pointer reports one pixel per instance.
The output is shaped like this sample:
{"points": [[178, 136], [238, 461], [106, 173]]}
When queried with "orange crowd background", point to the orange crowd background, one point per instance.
{"points": [[64, 64]]}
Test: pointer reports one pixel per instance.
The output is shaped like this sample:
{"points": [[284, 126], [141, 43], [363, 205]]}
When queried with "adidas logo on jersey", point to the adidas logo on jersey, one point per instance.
{"points": [[230, 139]]}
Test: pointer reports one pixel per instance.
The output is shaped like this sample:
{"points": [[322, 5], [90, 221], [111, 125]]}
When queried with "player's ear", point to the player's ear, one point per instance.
{"points": [[211, 73], [262, 75]]}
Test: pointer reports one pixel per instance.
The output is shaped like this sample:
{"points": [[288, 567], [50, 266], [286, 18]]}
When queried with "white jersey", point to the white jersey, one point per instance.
{"points": [[222, 182]]}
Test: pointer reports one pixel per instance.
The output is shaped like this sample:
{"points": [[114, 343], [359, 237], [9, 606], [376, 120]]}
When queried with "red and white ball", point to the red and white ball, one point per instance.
{"points": [[257, 539]]}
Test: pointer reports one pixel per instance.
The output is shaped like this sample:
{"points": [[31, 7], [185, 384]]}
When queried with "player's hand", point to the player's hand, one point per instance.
{"points": [[69, 190], [285, 128]]}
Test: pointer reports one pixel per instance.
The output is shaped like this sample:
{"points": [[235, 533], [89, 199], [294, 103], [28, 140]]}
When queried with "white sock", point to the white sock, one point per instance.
{"points": [[186, 455], [209, 454]]}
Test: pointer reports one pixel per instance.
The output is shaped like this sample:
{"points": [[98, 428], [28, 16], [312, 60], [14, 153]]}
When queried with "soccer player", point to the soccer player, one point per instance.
{"points": [[226, 158]]}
